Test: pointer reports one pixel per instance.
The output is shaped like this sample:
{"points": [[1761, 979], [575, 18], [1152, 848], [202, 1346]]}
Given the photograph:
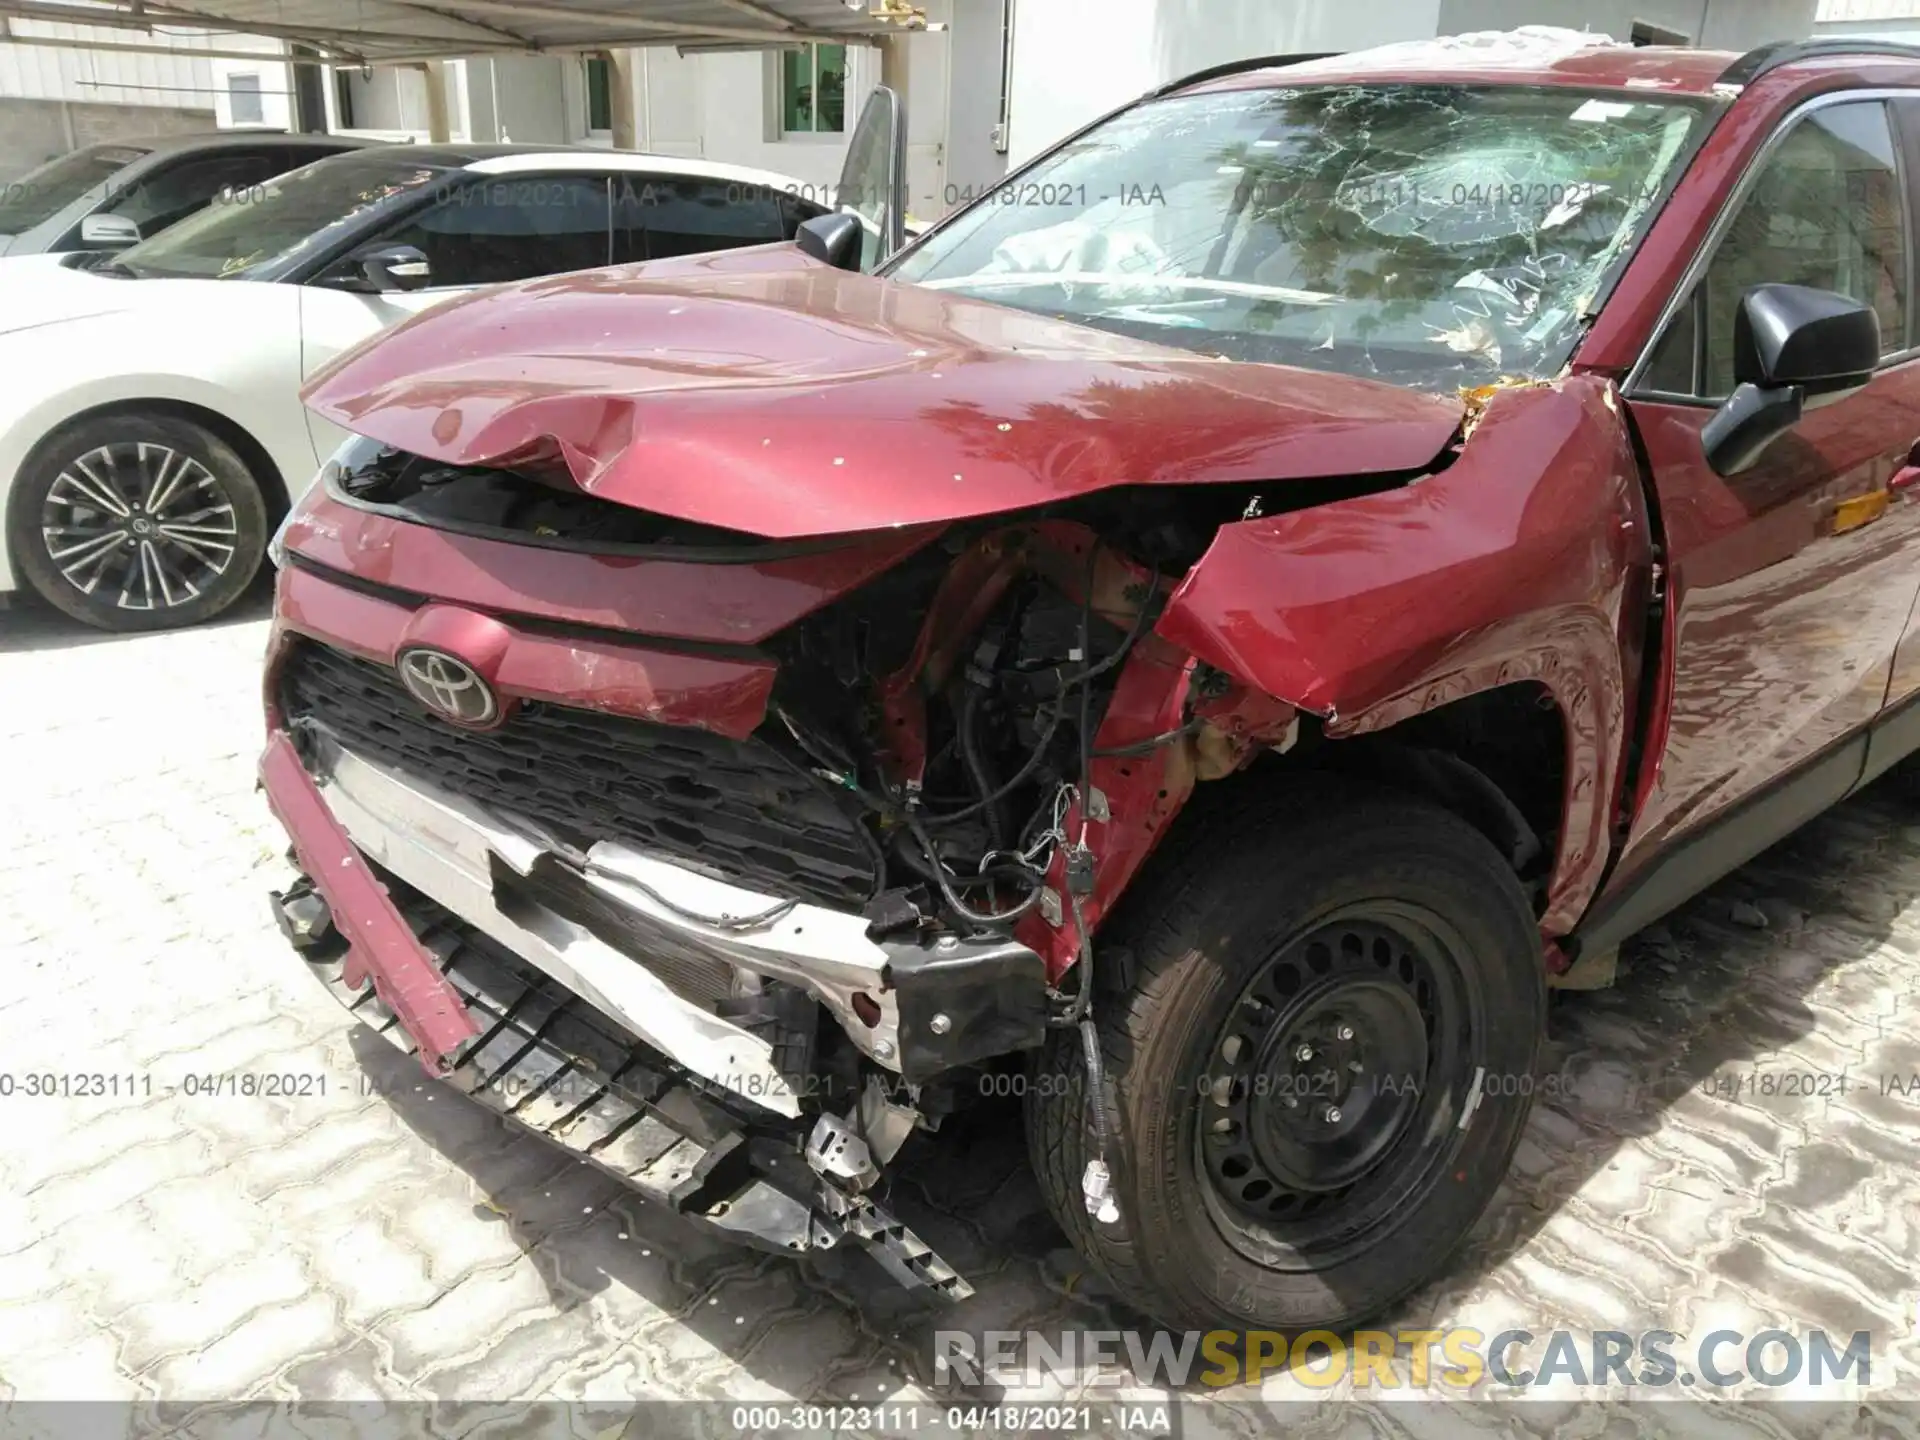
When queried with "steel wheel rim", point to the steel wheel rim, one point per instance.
{"points": [[139, 524], [1379, 967]]}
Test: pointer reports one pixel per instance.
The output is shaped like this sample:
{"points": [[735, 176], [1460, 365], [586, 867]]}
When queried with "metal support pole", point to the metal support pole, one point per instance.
{"points": [[620, 94], [438, 129]]}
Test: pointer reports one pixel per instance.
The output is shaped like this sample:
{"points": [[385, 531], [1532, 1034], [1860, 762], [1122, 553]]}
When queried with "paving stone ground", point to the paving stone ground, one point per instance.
{"points": [[1696, 1166]]}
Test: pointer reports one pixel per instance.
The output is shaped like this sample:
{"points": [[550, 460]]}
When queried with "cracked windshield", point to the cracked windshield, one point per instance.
{"points": [[239, 233], [1426, 235]]}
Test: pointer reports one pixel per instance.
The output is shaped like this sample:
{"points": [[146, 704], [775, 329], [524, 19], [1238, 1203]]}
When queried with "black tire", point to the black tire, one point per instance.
{"points": [[197, 549], [1225, 917]]}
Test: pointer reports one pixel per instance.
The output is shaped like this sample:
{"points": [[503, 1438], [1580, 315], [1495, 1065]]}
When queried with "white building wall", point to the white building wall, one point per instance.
{"points": [[1712, 24], [54, 98], [276, 84], [667, 111], [1896, 20], [92, 77], [1073, 60], [528, 94], [739, 123]]}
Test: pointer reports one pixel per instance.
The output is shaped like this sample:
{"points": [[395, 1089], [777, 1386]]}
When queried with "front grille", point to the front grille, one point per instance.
{"points": [[732, 809]]}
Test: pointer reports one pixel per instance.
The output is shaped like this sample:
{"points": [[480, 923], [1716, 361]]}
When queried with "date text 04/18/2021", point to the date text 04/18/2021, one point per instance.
{"points": [[113, 1084]]}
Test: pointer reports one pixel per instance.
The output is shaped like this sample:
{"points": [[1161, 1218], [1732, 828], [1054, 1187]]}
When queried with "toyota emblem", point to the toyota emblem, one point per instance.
{"points": [[448, 686]]}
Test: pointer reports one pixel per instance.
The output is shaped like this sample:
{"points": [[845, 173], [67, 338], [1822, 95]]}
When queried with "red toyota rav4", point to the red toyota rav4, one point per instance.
{"points": [[1202, 638]]}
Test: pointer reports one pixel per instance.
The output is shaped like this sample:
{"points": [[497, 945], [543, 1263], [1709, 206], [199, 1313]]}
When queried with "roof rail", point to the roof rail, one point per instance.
{"points": [[1235, 67], [1771, 56]]}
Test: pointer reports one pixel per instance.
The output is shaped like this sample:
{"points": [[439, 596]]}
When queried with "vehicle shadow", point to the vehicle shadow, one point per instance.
{"points": [[1723, 981], [1711, 1131], [28, 623]]}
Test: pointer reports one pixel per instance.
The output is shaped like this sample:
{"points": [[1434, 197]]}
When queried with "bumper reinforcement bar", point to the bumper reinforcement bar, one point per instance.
{"points": [[547, 1061]]}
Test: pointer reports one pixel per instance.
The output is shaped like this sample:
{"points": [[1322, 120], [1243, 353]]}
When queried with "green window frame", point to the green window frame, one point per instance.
{"points": [[813, 90], [599, 95]]}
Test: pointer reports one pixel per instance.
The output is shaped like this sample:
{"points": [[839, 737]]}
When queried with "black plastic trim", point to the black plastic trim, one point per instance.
{"points": [[753, 552], [1711, 114], [1238, 67], [1727, 842], [995, 1003], [1764, 59]]}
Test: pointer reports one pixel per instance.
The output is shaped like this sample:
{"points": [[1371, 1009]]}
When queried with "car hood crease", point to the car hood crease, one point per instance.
{"points": [[762, 391]]}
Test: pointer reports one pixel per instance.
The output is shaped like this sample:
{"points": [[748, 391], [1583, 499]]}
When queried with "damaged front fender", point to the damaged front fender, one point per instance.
{"points": [[1515, 563]]}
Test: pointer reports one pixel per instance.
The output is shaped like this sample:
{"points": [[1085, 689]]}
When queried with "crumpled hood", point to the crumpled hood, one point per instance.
{"points": [[763, 391]]}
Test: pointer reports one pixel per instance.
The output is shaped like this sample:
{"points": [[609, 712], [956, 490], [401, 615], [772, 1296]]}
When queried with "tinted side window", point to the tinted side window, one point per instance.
{"points": [[1670, 370], [484, 232], [1827, 211], [169, 195], [296, 156], [656, 216], [795, 212]]}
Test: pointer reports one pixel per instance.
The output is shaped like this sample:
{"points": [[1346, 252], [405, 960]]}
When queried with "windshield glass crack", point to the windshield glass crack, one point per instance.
{"points": [[1433, 235]]}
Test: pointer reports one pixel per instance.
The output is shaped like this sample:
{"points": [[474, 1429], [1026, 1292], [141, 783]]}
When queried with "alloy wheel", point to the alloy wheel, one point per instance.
{"points": [[139, 524]]}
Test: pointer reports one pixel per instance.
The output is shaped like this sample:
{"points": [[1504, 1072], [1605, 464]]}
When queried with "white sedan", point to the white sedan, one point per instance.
{"points": [[151, 430]]}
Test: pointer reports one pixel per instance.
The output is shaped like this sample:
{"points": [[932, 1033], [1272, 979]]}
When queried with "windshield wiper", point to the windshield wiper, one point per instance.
{"points": [[113, 267]]}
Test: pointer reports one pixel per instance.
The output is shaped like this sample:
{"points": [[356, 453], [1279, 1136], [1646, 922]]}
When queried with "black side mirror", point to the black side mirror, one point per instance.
{"points": [[1794, 348], [833, 238], [392, 267]]}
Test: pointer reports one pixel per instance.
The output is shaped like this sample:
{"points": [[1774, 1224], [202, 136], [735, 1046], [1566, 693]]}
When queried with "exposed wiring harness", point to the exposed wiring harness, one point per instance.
{"points": [[976, 763], [1152, 742], [953, 817], [1096, 1180], [1032, 858], [1026, 864], [948, 891]]}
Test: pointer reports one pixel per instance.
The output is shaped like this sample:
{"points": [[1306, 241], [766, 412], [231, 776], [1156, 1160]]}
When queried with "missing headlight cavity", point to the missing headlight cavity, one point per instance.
{"points": [[528, 508], [976, 680]]}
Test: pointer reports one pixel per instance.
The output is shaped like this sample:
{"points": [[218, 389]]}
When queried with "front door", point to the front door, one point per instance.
{"points": [[1792, 581]]}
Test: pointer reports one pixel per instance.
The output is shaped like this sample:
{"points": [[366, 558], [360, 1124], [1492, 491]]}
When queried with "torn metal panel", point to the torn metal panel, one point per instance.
{"points": [[1514, 564], [627, 1109], [385, 957]]}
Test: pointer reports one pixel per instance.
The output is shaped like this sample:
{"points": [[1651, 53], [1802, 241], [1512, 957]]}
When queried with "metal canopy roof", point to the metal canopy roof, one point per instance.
{"points": [[372, 31]]}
